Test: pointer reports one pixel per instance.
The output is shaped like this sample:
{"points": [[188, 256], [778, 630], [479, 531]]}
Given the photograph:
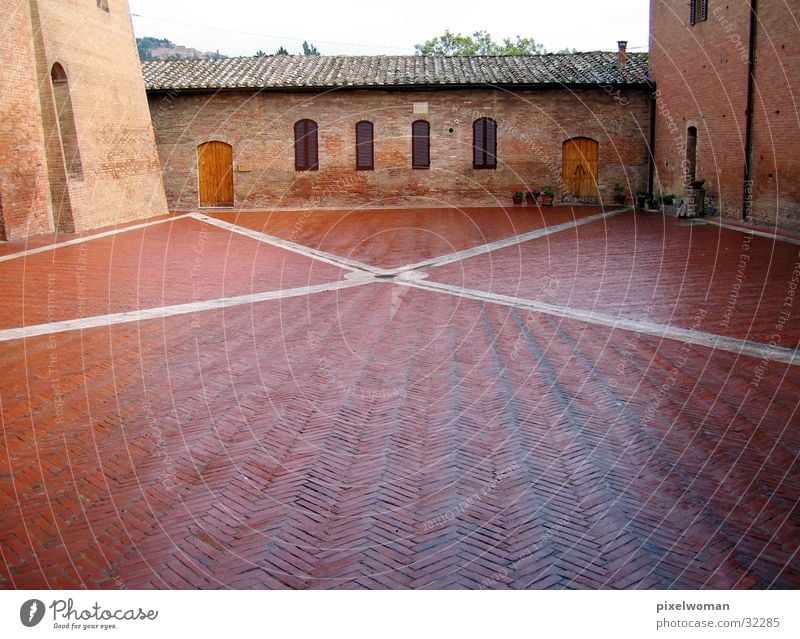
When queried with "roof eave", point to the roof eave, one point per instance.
{"points": [[642, 85]]}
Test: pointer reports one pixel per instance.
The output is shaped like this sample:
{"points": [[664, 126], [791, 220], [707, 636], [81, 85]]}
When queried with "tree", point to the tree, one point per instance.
{"points": [[309, 49], [282, 51], [147, 44], [479, 43], [261, 54]]}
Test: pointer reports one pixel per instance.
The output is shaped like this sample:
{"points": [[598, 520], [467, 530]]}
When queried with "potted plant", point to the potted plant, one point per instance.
{"points": [[619, 194], [547, 195], [531, 195], [642, 197], [517, 197], [665, 203]]}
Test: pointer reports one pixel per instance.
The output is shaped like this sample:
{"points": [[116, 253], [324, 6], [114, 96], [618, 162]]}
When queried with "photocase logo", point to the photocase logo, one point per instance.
{"points": [[31, 613]]}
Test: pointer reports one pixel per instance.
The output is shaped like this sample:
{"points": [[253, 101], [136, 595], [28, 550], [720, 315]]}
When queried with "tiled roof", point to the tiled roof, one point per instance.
{"points": [[288, 72]]}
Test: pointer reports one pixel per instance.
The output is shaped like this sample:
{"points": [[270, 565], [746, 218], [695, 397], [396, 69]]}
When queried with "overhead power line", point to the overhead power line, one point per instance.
{"points": [[276, 37]]}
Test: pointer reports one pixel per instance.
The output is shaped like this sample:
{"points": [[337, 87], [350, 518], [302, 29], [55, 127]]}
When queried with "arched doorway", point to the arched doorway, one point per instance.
{"points": [[580, 168], [215, 174], [66, 122], [63, 150]]}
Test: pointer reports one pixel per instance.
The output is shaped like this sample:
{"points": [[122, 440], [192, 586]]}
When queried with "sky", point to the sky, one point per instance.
{"points": [[362, 27]]}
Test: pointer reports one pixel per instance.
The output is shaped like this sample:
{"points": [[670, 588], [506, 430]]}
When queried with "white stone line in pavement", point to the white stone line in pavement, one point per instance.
{"points": [[88, 238], [709, 340], [98, 321], [322, 256], [506, 242], [748, 231]]}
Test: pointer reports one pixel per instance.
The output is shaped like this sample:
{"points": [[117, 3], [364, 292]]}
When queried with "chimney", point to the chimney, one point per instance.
{"points": [[623, 53]]}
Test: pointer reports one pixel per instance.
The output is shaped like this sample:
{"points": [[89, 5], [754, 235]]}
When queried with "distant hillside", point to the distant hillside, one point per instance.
{"points": [[162, 49]]}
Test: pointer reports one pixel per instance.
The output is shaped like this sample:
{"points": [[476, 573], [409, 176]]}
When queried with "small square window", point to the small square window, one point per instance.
{"points": [[102, 4]]}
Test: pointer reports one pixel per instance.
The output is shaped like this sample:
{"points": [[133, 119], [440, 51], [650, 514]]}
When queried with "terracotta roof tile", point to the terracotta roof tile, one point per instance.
{"points": [[288, 72]]}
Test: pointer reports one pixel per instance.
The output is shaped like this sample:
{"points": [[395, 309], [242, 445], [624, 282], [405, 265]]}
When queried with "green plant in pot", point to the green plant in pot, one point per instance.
{"points": [[531, 195], [517, 197], [642, 197], [547, 195]]}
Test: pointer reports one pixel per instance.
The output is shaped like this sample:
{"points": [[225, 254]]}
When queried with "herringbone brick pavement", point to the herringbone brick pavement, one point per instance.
{"points": [[646, 267], [391, 238], [391, 437], [178, 262]]}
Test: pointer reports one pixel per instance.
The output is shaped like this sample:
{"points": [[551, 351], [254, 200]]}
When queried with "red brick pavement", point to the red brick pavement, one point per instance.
{"points": [[644, 266], [392, 437], [390, 238], [173, 263]]}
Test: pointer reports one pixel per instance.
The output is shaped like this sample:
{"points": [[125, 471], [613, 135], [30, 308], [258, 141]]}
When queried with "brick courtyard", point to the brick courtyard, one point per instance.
{"points": [[401, 398]]}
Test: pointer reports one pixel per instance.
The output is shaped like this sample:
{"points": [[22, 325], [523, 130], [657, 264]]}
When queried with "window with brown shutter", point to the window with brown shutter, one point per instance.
{"points": [[484, 143], [703, 9], [421, 145], [306, 146], [365, 153], [692, 11]]}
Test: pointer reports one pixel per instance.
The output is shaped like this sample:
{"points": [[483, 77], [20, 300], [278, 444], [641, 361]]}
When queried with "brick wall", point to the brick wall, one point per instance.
{"points": [[776, 130], [701, 72], [121, 177], [24, 198], [532, 125]]}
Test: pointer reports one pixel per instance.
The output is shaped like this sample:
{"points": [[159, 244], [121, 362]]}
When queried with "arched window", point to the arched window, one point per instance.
{"points": [[306, 146], [102, 4], [484, 143], [66, 122], [365, 152], [421, 145]]}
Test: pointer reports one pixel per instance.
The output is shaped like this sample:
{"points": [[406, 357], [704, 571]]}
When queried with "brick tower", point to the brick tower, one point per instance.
{"points": [[77, 149]]}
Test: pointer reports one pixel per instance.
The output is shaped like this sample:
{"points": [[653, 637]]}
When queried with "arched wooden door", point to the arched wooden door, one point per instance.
{"points": [[215, 167], [580, 166]]}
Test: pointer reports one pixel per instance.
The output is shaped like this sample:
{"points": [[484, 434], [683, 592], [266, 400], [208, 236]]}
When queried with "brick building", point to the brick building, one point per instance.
{"points": [[351, 131], [76, 141], [728, 75]]}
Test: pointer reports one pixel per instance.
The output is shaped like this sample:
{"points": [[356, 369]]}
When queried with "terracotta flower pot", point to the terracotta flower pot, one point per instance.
{"points": [[547, 200], [517, 201]]}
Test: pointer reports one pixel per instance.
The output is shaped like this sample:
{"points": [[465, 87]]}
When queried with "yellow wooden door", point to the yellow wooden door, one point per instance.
{"points": [[215, 167], [580, 165]]}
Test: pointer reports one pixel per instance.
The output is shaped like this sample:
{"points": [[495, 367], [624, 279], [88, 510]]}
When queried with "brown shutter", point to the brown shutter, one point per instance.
{"points": [[421, 144], [478, 138], [692, 11], [703, 9], [484, 143], [306, 146], [491, 144], [365, 154]]}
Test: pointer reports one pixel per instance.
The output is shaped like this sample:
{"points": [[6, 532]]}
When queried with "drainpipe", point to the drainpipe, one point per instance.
{"points": [[747, 194], [651, 160]]}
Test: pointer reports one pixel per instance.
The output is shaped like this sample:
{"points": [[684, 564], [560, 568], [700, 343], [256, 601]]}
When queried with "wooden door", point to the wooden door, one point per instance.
{"points": [[580, 160], [215, 168]]}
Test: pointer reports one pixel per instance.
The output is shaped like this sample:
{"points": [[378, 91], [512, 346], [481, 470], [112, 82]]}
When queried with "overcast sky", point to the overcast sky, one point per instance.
{"points": [[352, 27]]}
